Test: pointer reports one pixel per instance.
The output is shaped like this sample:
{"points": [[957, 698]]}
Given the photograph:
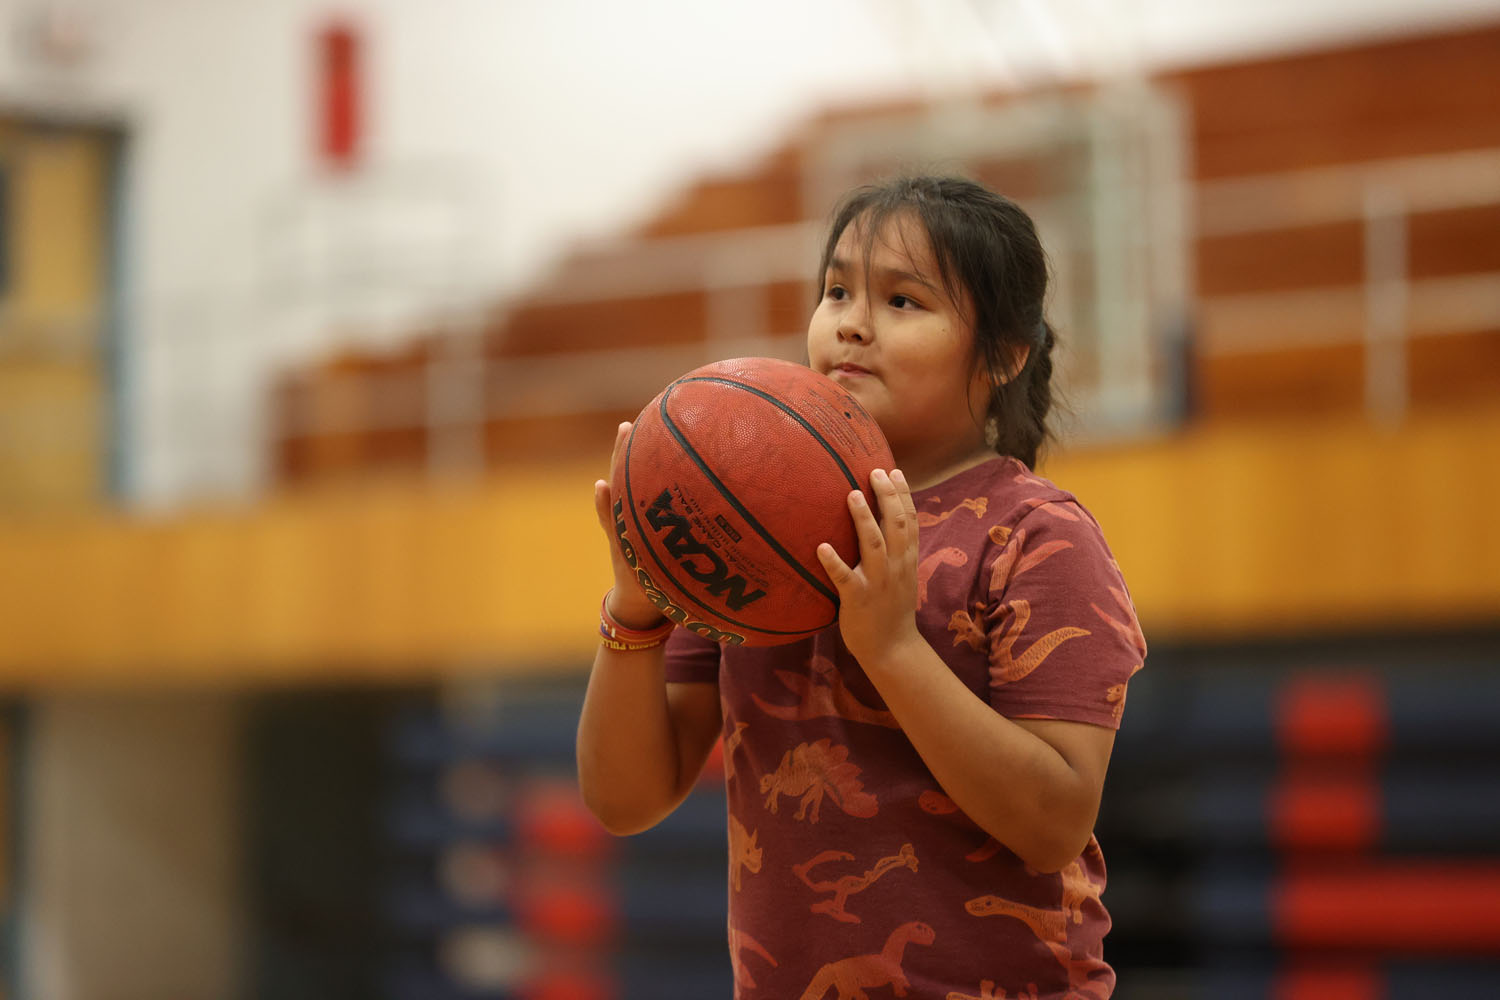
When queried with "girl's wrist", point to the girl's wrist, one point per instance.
{"points": [[894, 654], [626, 639], [635, 616]]}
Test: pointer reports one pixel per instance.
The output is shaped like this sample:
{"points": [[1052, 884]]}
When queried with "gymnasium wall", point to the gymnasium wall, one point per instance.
{"points": [[1301, 366], [1380, 528]]}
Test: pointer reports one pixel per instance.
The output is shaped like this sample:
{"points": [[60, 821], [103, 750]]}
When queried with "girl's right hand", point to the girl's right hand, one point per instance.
{"points": [[628, 603]]}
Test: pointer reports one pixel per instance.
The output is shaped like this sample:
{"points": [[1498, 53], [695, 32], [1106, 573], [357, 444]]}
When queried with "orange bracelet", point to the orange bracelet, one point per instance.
{"points": [[628, 640]]}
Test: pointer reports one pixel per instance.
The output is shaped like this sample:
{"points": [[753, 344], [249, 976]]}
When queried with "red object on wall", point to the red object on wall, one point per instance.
{"points": [[339, 95], [1310, 810], [1332, 716], [576, 914], [1410, 906], [551, 818]]}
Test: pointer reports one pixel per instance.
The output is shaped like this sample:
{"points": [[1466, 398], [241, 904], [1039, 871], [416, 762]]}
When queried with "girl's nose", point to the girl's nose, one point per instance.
{"points": [[854, 326]]}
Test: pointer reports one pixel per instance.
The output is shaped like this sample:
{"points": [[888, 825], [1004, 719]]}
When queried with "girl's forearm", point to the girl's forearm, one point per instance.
{"points": [[640, 744], [627, 758], [1022, 790]]}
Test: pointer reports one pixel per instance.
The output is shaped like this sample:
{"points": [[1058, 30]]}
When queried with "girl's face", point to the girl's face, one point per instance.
{"points": [[888, 331]]}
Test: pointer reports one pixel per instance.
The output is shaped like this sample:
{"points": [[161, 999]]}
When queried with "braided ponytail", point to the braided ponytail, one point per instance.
{"points": [[1039, 393], [1020, 405]]}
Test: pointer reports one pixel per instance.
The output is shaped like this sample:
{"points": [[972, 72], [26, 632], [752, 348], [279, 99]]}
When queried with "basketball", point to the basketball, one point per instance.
{"points": [[729, 480]]}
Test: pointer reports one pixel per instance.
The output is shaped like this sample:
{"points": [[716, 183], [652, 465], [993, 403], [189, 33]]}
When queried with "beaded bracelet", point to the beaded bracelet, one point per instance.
{"points": [[629, 640]]}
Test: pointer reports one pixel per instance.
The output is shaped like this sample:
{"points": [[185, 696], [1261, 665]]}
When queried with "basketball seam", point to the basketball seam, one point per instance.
{"points": [[643, 537], [733, 500], [822, 442]]}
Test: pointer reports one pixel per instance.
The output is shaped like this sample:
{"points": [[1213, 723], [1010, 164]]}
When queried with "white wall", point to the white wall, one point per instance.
{"points": [[575, 115]]}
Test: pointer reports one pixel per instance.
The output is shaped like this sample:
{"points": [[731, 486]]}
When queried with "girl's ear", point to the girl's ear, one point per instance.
{"points": [[1018, 357]]}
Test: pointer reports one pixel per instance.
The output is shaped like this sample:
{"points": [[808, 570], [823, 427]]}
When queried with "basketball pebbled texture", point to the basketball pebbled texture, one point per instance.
{"points": [[728, 481]]}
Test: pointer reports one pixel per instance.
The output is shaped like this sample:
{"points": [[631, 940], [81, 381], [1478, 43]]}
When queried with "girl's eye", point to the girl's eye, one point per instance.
{"points": [[835, 292], [903, 301]]}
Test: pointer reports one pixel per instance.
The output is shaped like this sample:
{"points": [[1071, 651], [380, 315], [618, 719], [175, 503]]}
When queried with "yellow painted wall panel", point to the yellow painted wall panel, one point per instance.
{"points": [[51, 451], [560, 568], [1246, 531], [1277, 528], [59, 198], [1444, 539], [199, 595], [106, 559]]}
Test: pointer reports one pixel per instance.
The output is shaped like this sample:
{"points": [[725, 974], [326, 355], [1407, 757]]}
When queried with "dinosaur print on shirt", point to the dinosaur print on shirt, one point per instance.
{"points": [[743, 854], [851, 977], [812, 771], [822, 692], [842, 888]]}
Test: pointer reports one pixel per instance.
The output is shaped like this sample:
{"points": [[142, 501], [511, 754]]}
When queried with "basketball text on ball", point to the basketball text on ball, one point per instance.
{"points": [[687, 549], [663, 603]]}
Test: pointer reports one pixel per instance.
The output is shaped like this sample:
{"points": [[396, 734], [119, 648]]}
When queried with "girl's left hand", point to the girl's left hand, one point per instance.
{"points": [[878, 597]]}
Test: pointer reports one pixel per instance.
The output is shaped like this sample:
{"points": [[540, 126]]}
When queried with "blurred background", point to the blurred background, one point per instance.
{"points": [[315, 321]]}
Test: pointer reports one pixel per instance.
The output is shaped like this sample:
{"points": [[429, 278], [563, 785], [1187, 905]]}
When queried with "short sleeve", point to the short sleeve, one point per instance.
{"points": [[1063, 638], [692, 659]]}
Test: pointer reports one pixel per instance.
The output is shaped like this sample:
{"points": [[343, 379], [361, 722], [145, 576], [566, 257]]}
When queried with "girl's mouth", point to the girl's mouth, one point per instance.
{"points": [[848, 369]]}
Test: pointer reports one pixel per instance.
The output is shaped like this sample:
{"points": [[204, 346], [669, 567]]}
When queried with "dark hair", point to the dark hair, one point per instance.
{"points": [[985, 245]]}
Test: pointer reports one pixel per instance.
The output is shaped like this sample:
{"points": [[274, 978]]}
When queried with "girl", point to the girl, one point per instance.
{"points": [[912, 792]]}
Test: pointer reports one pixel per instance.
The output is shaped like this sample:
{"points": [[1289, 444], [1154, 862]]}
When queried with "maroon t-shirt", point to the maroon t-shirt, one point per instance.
{"points": [[849, 868]]}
